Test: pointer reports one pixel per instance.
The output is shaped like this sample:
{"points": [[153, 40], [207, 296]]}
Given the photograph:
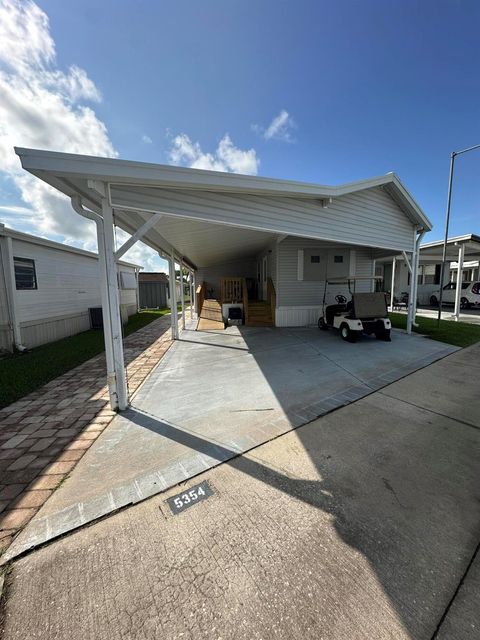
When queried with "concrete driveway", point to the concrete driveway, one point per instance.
{"points": [[362, 525], [215, 395]]}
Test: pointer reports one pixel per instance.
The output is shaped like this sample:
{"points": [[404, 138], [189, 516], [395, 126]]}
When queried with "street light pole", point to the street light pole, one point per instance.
{"points": [[453, 155]]}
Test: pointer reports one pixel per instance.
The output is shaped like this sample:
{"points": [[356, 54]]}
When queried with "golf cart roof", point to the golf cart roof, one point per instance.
{"points": [[351, 279]]}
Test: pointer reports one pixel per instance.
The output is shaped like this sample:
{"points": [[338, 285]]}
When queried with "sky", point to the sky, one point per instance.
{"points": [[326, 92]]}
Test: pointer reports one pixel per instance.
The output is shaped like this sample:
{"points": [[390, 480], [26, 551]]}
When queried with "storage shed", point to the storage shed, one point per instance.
{"points": [[153, 290]]}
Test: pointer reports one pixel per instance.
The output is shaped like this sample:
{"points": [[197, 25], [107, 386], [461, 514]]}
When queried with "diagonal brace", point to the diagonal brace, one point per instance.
{"points": [[138, 235], [407, 261]]}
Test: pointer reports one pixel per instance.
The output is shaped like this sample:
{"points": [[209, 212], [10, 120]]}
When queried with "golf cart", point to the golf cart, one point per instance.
{"points": [[363, 313]]}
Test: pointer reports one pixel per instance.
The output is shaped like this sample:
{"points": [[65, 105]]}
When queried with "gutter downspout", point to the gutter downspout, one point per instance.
{"points": [[10, 289], [111, 377]]}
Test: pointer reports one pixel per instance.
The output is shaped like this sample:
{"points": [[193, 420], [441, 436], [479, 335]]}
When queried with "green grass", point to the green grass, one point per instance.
{"points": [[22, 373], [461, 334]]}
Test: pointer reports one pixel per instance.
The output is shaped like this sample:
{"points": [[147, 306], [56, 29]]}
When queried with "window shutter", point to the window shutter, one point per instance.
{"points": [[300, 259]]}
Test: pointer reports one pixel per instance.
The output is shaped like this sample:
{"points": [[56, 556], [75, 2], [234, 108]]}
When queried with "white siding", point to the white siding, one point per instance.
{"points": [[271, 253], [37, 332], [6, 336], [68, 283], [299, 302], [370, 217], [294, 292]]}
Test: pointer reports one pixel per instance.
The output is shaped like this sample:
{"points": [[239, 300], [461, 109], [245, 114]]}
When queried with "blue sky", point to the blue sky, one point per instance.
{"points": [[358, 89]]}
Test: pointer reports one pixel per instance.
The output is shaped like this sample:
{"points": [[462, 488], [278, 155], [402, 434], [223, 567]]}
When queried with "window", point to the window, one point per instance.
{"points": [[127, 280], [338, 259], [420, 274], [315, 259], [429, 273], [25, 276]]}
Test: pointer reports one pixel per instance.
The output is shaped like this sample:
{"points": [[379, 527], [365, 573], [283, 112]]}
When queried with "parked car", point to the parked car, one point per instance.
{"points": [[470, 294]]}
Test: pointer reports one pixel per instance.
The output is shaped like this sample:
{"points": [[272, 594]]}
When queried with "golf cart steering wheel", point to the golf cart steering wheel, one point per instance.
{"points": [[340, 299]]}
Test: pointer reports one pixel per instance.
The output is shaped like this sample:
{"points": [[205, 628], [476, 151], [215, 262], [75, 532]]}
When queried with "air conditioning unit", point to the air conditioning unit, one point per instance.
{"points": [[235, 316], [96, 317]]}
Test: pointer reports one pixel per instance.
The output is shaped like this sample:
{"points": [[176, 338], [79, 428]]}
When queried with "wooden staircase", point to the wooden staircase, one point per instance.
{"points": [[260, 314], [256, 313]]}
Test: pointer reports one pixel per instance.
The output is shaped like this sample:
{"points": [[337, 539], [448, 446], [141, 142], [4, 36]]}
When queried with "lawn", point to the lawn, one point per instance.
{"points": [[461, 334], [22, 373]]}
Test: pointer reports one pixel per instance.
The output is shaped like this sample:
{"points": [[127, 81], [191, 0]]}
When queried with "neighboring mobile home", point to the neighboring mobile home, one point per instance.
{"points": [[47, 288], [462, 257], [265, 245]]}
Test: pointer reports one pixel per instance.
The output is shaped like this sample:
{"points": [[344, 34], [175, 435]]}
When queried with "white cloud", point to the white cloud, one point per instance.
{"points": [[44, 107], [280, 128], [226, 157]]}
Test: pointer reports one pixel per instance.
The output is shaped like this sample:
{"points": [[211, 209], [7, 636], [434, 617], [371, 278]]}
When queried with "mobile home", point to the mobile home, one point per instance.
{"points": [[47, 289]]}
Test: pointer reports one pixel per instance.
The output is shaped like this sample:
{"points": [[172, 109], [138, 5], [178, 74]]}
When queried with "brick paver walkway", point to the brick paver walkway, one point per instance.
{"points": [[44, 435]]}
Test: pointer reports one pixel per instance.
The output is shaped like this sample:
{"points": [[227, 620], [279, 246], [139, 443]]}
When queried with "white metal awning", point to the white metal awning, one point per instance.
{"points": [[199, 213], [198, 218], [433, 251]]}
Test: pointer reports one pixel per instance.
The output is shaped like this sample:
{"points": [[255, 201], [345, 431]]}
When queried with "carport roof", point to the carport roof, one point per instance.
{"points": [[85, 176], [434, 250]]}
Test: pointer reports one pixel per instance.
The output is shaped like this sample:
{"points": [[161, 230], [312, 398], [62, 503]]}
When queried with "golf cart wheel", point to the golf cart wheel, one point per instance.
{"points": [[347, 334], [434, 301], [383, 335], [322, 324], [464, 303]]}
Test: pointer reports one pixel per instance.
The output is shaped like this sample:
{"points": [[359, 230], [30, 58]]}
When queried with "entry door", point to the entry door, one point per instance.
{"points": [[264, 277]]}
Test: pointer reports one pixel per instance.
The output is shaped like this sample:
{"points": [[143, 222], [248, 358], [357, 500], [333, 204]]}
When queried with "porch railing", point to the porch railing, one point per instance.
{"points": [[234, 290], [231, 290]]}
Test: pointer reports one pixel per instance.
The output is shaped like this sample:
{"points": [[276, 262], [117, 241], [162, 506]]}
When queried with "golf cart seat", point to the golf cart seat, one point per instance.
{"points": [[369, 305], [334, 309]]}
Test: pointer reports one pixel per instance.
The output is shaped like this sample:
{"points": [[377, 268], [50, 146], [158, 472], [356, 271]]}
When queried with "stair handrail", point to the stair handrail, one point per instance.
{"points": [[200, 297], [272, 298], [245, 300]]}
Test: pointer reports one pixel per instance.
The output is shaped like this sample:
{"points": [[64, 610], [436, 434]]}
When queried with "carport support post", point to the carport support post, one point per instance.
{"points": [[412, 297], [190, 277], [392, 286], [113, 318], [194, 284], [413, 276], [458, 290], [173, 296], [417, 265], [182, 293]]}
